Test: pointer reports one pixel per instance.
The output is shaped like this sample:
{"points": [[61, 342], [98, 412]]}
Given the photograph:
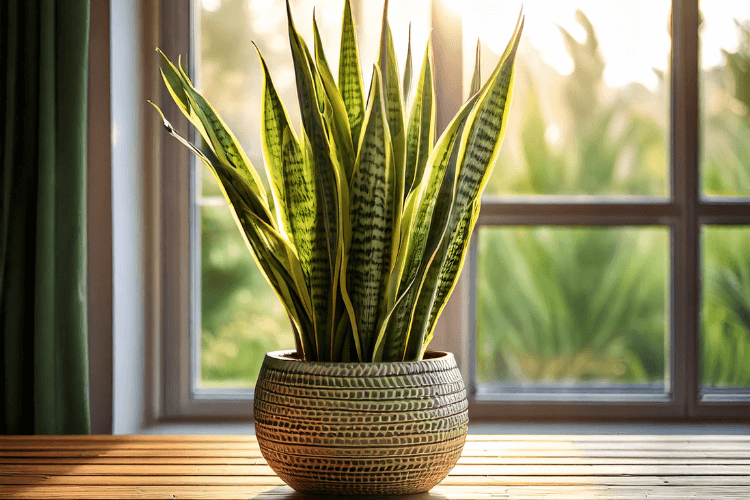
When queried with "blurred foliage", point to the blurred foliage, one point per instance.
{"points": [[554, 304], [583, 304], [725, 325], [241, 317], [611, 140], [726, 122]]}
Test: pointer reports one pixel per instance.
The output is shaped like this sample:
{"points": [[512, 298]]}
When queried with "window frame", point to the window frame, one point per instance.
{"points": [[683, 212]]}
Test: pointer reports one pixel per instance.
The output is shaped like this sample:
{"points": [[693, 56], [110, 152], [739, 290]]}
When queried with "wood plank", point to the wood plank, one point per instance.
{"points": [[471, 437], [452, 480], [462, 470], [461, 461], [471, 445], [486, 453], [579, 492]]}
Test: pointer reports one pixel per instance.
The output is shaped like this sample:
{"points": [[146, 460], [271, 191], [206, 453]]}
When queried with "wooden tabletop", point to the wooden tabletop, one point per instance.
{"points": [[498, 466]]}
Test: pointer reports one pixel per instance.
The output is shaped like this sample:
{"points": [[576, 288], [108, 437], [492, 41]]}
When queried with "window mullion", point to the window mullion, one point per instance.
{"points": [[578, 214], [685, 191]]}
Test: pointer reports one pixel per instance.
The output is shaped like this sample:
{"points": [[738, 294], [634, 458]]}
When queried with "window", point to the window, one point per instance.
{"points": [[609, 274]]}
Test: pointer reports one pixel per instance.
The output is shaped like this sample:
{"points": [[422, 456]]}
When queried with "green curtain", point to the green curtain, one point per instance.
{"points": [[43, 337]]}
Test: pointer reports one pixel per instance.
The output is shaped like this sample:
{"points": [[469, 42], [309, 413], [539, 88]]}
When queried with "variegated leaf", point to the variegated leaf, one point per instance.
{"points": [[272, 253], [447, 266], [275, 125], [394, 105], [372, 220], [342, 134], [420, 136], [407, 70], [350, 76], [480, 144], [476, 79], [422, 243], [215, 132]]}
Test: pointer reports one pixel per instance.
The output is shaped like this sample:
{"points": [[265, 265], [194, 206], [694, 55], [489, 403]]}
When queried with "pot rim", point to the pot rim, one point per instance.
{"points": [[286, 362], [290, 356]]}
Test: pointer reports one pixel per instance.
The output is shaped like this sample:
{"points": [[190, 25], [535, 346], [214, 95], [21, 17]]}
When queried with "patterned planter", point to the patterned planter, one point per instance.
{"points": [[361, 428]]}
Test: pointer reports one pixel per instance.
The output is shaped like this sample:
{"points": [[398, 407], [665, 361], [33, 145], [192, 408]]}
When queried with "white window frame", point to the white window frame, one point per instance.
{"points": [[683, 213]]}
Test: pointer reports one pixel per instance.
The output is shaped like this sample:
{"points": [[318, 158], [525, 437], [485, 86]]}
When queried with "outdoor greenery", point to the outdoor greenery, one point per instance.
{"points": [[370, 217], [555, 304]]}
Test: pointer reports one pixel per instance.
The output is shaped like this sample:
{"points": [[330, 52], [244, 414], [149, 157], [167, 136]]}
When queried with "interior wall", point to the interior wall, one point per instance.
{"points": [[134, 221]]}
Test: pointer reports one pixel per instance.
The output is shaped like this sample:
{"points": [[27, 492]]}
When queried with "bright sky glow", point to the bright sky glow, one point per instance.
{"points": [[210, 5], [633, 35]]}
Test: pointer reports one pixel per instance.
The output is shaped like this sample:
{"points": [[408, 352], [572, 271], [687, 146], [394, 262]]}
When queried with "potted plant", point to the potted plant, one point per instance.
{"points": [[362, 237]]}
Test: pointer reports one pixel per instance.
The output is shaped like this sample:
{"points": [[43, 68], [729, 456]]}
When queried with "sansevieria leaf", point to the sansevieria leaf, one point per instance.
{"points": [[292, 179], [339, 120], [372, 219], [271, 252], [328, 245], [215, 132], [394, 105], [420, 137], [408, 69], [422, 244], [350, 76], [480, 144], [447, 266], [476, 78]]}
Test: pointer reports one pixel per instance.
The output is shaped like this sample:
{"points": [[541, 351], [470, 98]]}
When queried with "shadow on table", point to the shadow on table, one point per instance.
{"points": [[286, 493]]}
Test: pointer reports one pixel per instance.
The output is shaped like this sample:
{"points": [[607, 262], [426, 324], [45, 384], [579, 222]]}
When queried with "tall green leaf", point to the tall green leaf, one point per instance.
{"points": [[476, 78], [422, 244], [480, 144], [328, 245], [408, 69], [213, 129], [447, 266], [350, 77], [271, 251], [420, 136], [292, 178], [394, 105], [373, 218], [342, 134]]}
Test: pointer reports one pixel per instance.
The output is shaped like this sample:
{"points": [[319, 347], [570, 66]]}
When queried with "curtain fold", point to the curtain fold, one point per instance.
{"points": [[43, 336]]}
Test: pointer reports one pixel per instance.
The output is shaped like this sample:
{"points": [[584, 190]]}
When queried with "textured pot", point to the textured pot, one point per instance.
{"points": [[361, 428]]}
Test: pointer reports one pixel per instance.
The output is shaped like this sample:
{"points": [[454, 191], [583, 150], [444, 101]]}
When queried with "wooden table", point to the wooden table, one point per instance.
{"points": [[523, 467]]}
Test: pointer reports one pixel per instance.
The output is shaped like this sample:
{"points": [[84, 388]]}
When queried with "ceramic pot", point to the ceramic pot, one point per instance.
{"points": [[361, 428]]}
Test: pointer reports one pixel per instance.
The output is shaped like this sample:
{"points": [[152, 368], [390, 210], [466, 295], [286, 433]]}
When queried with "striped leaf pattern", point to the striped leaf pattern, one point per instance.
{"points": [[476, 78], [372, 220], [408, 69], [420, 136], [350, 77], [371, 217], [422, 243], [394, 104], [215, 132], [451, 260], [338, 121], [325, 265], [479, 149]]}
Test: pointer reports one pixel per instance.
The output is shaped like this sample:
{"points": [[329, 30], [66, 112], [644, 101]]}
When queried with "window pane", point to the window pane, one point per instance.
{"points": [[571, 308], [725, 120], [590, 110], [241, 317], [725, 322]]}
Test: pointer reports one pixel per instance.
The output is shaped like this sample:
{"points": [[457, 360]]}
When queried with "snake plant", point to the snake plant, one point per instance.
{"points": [[369, 218]]}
